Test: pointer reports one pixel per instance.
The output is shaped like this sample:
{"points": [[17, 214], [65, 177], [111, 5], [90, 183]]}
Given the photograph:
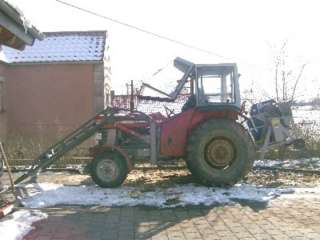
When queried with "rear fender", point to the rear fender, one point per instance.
{"points": [[174, 131]]}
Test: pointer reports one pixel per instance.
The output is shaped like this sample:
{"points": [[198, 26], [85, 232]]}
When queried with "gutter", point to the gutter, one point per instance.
{"points": [[17, 16], [13, 21]]}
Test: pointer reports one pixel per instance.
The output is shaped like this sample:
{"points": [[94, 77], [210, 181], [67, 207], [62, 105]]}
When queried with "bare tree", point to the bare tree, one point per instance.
{"points": [[286, 77]]}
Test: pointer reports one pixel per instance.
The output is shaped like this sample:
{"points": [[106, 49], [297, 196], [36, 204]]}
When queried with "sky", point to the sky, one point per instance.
{"points": [[248, 32]]}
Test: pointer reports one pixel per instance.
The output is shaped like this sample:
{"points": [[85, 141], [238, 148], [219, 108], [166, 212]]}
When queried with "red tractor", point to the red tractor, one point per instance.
{"points": [[206, 133]]}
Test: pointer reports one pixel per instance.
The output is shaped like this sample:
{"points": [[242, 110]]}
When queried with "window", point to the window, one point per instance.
{"points": [[216, 88]]}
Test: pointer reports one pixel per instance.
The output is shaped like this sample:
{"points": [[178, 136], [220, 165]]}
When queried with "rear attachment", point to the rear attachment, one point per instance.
{"points": [[270, 125]]}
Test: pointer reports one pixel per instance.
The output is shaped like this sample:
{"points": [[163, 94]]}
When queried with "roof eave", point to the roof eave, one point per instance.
{"points": [[11, 19], [16, 15]]}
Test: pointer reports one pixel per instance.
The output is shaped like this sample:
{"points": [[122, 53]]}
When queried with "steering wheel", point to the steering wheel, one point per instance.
{"points": [[169, 112]]}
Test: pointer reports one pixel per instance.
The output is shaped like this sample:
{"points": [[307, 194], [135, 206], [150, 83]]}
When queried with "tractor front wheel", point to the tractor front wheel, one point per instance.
{"points": [[220, 152], [109, 170]]}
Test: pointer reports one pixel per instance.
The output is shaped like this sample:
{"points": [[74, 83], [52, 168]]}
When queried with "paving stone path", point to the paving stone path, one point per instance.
{"points": [[281, 219]]}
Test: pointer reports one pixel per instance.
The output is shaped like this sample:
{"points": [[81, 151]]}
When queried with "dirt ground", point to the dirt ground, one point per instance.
{"points": [[150, 178]]}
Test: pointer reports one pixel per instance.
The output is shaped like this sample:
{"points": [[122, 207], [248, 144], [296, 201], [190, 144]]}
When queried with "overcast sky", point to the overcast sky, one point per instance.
{"points": [[247, 32]]}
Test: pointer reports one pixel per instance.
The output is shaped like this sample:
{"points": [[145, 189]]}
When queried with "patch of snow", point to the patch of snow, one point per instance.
{"points": [[303, 163], [306, 115], [306, 193], [59, 46], [18, 224], [49, 194]]}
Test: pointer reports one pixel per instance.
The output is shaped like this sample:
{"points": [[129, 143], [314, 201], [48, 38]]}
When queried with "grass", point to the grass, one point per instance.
{"points": [[310, 134], [21, 150]]}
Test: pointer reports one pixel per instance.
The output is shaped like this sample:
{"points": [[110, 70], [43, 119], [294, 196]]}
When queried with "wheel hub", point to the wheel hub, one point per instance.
{"points": [[220, 153], [107, 170]]}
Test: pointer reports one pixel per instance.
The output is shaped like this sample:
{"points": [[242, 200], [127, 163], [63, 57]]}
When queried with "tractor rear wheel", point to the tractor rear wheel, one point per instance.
{"points": [[109, 170], [220, 152]]}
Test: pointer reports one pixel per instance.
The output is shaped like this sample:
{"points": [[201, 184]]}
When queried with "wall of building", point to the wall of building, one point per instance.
{"points": [[49, 100], [102, 85], [107, 77], [3, 103], [98, 79]]}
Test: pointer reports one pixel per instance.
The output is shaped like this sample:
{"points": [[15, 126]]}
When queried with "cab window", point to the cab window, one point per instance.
{"points": [[216, 88]]}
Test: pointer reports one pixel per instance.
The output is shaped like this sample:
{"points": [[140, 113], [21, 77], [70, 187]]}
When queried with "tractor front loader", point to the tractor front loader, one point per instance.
{"points": [[207, 134]]}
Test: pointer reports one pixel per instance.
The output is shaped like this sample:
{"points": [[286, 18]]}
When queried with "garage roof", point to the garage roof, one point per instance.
{"points": [[77, 46]]}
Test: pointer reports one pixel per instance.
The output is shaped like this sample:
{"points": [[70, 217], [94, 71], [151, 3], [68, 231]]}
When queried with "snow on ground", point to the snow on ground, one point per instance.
{"points": [[303, 193], [306, 116], [49, 194], [18, 224], [306, 113], [303, 163]]}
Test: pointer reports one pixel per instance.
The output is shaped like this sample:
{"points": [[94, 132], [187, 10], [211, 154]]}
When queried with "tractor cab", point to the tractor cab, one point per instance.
{"points": [[217, 84], [207, 84]]}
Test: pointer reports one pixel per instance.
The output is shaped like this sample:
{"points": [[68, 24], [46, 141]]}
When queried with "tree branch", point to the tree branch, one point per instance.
{"points": [[297, 81]]}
